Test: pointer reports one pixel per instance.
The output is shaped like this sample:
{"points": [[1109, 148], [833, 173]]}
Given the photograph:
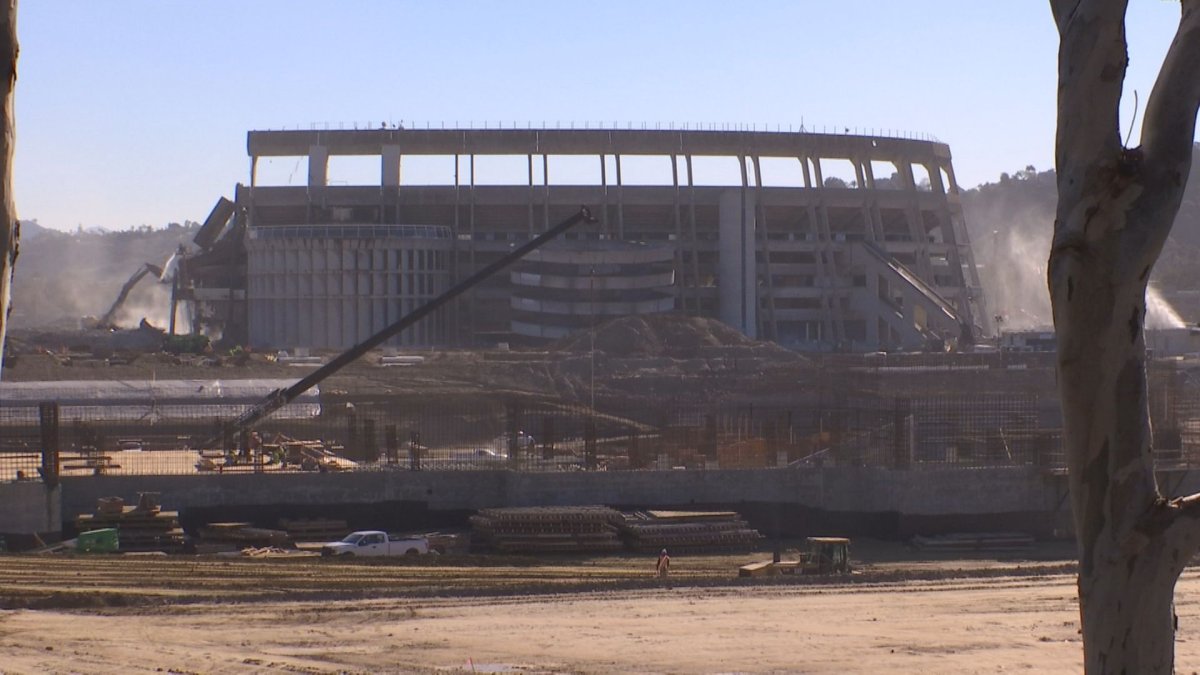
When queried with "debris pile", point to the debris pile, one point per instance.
{"points": [[687, 530], [142, 528], [547, 529], [222, 537], [448, 542], [671, 335], [982, 542]]}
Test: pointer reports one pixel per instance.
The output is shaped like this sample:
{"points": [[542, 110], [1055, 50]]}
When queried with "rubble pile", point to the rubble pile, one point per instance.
{"points": [[670, 335], [222, 537]]}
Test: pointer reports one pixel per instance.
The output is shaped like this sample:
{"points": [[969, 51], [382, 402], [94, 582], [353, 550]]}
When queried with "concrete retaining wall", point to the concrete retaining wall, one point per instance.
{"points": [[953, 495], [29, 509]]}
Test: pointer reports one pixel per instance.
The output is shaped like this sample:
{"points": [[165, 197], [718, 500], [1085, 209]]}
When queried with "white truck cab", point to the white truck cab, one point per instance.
{"points": [[375, 543]]}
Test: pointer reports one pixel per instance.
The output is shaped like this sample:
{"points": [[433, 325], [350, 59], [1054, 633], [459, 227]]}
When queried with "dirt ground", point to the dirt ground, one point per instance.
{"points": [[580, 615]]}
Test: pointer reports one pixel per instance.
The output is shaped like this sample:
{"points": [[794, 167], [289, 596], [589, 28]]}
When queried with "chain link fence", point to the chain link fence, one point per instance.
{"points": [[913, 430]]}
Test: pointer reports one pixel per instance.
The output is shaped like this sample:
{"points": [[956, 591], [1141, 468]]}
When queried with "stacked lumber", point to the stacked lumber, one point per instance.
{"points": [[975, 542], [687, 530], [547, 529], [314, 529], [142, 528]]}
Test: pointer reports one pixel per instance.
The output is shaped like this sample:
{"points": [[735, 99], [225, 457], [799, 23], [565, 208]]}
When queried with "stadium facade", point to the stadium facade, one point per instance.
{"points": [[874, 258]]}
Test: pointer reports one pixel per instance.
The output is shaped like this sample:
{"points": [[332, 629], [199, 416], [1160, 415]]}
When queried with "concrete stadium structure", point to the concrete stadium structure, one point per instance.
{"points": [[562, 288], [336, 285], [820, 242]]}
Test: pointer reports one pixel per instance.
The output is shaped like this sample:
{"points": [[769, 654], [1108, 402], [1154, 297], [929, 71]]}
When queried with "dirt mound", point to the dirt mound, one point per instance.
{"points": [[672, 335]]}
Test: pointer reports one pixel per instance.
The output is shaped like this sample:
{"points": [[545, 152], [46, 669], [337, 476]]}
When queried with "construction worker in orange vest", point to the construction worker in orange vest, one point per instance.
{"points": [[664, 563]]}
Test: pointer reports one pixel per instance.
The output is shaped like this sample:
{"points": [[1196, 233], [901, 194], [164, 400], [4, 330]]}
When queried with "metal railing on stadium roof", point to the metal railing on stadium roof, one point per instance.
{"points": [[617, 125]]}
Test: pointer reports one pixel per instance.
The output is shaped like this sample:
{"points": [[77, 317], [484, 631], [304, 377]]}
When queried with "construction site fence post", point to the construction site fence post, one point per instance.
{"points": [[709, 445], [547, 437], [392, 442], [370, 446], [414, 450], [48, 414], [512, 426], [352, 447], [589, 444], [901, 450]]}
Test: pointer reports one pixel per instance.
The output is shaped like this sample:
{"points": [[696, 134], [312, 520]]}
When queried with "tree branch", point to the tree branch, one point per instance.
{"points": [[1178, 520], [1091, 68], [1169, 126]]}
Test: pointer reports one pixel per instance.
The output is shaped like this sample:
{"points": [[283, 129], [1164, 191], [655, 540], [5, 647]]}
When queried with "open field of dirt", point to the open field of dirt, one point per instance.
{"points": [[494, 614]]}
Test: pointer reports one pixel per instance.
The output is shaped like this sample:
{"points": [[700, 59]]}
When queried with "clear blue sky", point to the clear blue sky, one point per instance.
{"points": [[135, 112]]}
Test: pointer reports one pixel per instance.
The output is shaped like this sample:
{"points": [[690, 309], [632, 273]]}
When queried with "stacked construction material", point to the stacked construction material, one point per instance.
{"points": [[141, 528], [314, 529], [311, 455], [547, 529], [975, 542], [688, 531]]}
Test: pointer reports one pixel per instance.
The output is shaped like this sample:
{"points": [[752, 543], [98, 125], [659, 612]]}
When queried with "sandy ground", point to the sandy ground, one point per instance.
{"points": [[963, 625]]}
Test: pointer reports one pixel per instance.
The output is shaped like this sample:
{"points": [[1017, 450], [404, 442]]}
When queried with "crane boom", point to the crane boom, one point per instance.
{"points": [[281, 397]]}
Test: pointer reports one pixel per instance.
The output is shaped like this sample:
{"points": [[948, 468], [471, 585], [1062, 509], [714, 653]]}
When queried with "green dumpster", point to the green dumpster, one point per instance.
{"points": [[98, 541]]}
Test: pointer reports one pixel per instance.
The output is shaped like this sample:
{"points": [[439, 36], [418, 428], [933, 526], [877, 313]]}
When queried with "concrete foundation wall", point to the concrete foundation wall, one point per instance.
{"points": [[28, 509], [961, 494]]}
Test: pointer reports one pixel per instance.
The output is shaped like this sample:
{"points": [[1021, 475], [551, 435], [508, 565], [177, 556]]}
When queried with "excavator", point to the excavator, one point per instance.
{"points": [[106, 322], [281, 397]]}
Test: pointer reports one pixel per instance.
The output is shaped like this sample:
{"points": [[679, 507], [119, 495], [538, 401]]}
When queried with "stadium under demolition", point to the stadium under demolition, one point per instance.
{"points": [[799, 336]]}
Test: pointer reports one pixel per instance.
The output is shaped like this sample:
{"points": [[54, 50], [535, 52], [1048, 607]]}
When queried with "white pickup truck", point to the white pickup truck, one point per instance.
{"points": [[375, 543]]}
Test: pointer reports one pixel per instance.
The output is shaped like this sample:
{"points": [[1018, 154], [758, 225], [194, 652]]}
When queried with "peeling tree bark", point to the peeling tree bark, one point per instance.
{"points": [[9, 228], [1116, 207]]}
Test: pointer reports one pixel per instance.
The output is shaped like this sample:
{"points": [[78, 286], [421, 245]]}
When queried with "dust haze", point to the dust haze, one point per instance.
{"points": [[61, 277], [1011, 224]]}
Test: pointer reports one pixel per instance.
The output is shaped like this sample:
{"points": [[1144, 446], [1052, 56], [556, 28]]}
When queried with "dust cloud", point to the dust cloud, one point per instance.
{"points": [[62, 277], [1011, 224]]}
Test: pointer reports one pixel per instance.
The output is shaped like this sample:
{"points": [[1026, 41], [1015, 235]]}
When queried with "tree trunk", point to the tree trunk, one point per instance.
{"points": [[10, 229], [1128, 615], [1116, 208]]}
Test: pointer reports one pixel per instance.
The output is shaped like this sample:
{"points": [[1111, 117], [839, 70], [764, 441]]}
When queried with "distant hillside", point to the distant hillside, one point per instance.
{"points": [[62, 276], [1010, 223]]}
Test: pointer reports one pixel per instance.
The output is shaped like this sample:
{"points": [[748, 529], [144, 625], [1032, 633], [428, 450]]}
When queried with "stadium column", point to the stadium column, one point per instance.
{"points": [[695, 238], [318, 175], [389, 173], [761, 233], [471, 304], [870, 206], [819, 213], [453, 319], [529, 195], [679, 275], [736, 288], [545, 192], [604, 187], [620, 203]]}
